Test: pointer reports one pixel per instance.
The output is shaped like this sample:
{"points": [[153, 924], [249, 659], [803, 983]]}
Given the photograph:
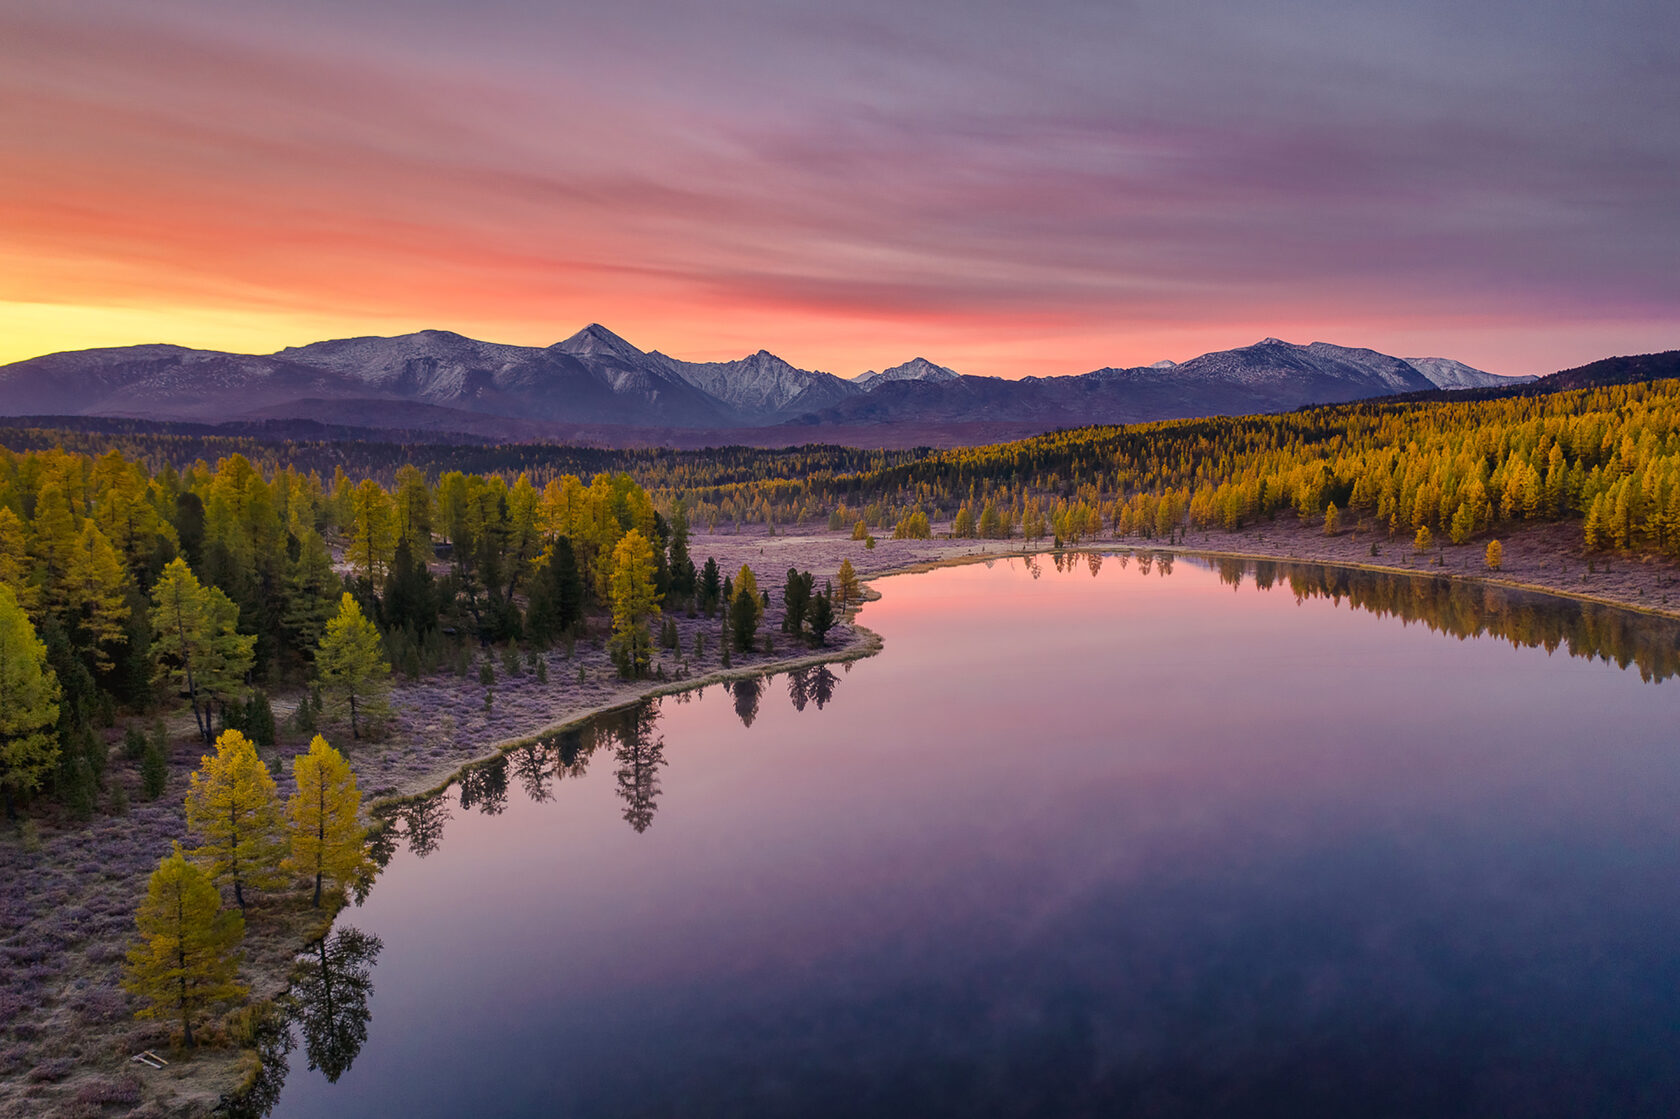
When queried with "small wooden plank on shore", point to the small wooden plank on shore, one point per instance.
{"points": [[150, 1059]]}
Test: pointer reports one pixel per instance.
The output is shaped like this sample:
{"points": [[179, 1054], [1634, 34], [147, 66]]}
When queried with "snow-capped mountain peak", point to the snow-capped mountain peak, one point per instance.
{"points": [[916, 369], [596, 340], [1449, 374]]}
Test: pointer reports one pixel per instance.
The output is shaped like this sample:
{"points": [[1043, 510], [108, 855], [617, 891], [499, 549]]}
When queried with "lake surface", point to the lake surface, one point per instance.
{"points": [[1108, 839]]}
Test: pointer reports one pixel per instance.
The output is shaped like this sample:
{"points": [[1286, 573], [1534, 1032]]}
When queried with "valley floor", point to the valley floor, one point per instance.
{"points": [[66, 904]]}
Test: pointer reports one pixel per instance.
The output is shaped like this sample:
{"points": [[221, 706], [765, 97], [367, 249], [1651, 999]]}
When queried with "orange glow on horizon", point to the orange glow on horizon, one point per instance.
{"points": [[247, 179]]}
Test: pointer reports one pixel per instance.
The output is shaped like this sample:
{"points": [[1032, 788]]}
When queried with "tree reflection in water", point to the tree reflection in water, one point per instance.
{"points": [[1465, 608], [747, 693], [530, 765], [811, 685], [327, 1004], [422, 822], [331, 996], [640, 756], [484, 786]]}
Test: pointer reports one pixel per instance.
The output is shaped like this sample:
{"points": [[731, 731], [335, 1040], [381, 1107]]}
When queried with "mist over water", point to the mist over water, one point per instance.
{"points": [[1133, 836]]}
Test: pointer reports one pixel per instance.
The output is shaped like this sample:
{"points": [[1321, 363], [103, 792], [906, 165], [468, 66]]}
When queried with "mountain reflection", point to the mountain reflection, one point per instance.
{"points": [[1470, 609]]}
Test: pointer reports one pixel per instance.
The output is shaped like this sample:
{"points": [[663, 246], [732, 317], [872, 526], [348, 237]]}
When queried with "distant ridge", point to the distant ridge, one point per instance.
{"points": [[595, 380]]}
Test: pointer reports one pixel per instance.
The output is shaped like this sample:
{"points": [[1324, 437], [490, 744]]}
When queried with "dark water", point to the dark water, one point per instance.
{"points": [[1083, 842]]}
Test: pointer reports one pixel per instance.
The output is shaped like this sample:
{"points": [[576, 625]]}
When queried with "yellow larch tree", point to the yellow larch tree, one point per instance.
{"points": [[328, 840], [352, 665], [16, 564], [635, 603], [95, 595], [375, 525], [234, 808], [847, 592], [28, 704], [187, 959]]}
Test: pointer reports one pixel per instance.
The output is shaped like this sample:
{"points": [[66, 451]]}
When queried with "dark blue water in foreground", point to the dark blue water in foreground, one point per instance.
{"points": [[1080, 843]]}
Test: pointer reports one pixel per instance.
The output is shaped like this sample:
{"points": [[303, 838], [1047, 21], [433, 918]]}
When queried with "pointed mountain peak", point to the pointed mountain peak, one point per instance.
{"points": [[597, 339], [921, 369], [1273, 342]]}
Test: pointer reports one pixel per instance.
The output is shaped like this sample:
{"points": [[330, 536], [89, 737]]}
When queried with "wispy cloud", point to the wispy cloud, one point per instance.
{"points": [[1041, 190]]}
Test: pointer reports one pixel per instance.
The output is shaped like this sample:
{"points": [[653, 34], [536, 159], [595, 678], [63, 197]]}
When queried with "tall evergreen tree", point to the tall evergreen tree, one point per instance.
{"points": [[796, 598], [556, 598], [746, 610], [711, 586], [312, 590], [821, 618], [410, 596], [681, 565]]}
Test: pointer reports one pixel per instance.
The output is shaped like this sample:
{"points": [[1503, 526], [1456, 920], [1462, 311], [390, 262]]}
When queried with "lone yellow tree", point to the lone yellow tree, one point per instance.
{"points": [[233, 806], [28, 705], [328, 840], [188, 956], [1495, 555], [635, 603], [351, 661], [1332, 519], [847, 592]]}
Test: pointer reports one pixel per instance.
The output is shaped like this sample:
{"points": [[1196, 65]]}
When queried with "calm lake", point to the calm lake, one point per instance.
{"points": [[1133, 837]]}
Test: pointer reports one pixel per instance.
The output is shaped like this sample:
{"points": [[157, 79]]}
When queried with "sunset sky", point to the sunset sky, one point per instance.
{"points": [[1004, 188]]}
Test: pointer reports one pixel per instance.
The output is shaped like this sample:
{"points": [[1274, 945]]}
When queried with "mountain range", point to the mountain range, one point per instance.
{"points": [[597, 386]]}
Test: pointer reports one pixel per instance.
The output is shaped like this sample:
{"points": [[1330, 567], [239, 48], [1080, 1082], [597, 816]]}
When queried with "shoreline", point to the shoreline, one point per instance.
{"points": [[399, 771]]}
